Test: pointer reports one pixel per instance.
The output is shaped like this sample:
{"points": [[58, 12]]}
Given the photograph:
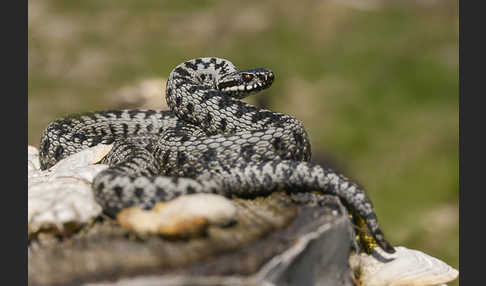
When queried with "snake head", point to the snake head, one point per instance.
{"points": [[243, 83]]}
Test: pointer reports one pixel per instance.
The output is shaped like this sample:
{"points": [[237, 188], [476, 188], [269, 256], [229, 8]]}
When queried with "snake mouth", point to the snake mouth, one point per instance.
{"points": [[244, 87], [246, 82]]}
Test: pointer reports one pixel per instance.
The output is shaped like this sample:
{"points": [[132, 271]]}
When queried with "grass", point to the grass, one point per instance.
{"points": [[377, 88]]}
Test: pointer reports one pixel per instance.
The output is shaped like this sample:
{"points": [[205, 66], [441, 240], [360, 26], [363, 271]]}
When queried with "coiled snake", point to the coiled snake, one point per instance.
{"points": [[209, 141]]}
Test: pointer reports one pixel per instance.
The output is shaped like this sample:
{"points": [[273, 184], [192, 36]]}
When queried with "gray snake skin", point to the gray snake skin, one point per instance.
{"points": [[209, 142]]}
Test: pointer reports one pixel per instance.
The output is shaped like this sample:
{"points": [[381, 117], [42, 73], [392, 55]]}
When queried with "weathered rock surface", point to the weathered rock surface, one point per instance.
{"points": [[405, 267], [62, 195], [277, 240], [184, 216]]}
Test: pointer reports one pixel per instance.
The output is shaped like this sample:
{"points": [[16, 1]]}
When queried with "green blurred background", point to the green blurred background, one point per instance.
{"points": [[375, 83]]}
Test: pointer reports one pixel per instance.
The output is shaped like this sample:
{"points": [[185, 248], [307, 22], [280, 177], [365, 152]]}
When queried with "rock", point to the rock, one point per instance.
{"points": [[52, 205], [62, 196], [275, 240], [83, 158], [33, 162], [184, 216], [405, 267]]}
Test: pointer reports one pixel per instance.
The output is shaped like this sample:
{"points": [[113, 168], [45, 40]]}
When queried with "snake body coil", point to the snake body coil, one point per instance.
{"points": [[209, 142]]}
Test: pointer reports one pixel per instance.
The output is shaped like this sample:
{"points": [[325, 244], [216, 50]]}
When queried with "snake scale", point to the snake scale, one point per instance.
{"points": [[208, 142]]}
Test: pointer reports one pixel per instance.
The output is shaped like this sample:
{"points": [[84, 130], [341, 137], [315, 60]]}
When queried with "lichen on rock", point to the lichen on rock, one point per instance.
{"points": [[62, 195], [184, 216]]}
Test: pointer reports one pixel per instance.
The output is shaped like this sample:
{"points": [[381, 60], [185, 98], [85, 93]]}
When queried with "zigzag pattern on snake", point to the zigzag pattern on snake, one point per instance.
{"points": [[209, 142]]}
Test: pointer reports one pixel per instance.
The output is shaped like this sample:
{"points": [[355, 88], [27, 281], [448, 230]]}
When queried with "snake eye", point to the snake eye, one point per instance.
{"points": [[247, 77]]}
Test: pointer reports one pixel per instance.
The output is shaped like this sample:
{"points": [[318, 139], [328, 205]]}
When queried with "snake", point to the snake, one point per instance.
{"points": [[209, 141]]}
